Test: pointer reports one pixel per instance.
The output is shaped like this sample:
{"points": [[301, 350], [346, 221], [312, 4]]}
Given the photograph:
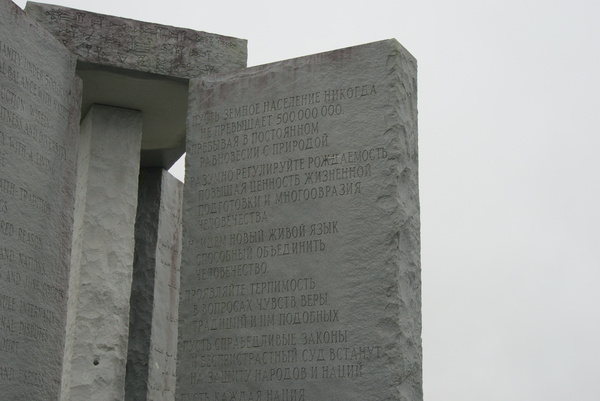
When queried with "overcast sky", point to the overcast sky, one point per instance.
{"points": [[509, 102]]}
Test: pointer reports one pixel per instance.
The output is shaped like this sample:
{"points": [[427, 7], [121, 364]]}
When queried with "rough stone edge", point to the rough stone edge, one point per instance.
{"points": [[404, 128]]}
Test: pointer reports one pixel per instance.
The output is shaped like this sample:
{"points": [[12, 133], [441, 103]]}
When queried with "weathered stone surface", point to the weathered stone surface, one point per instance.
{"points": [[141, 66], [139, 46], [39, 122], [100, 284], [301, 264], [151, 359]]}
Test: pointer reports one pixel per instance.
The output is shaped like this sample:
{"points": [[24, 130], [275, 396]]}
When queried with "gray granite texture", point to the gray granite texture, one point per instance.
{"points": [[141, 66], [39, 123], [137, 45], [300, 273], [100, 284], [152, 355]]}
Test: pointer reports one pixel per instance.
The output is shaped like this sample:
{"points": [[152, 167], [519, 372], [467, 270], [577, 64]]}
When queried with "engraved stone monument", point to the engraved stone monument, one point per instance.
{"points": [[70, 197], [39, 122], [287, 268], [141, 70], [300, 274]]}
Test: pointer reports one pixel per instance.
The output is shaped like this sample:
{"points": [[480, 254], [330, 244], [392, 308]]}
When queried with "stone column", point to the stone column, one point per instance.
{"points": [[151, 359], [102, 258]]}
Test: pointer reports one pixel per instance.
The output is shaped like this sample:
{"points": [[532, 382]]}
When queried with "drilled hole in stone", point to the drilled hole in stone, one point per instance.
{"points": [[96, 362]]}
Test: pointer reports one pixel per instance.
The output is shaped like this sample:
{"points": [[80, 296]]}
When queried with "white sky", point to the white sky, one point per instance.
{"points": [[509, 93]]}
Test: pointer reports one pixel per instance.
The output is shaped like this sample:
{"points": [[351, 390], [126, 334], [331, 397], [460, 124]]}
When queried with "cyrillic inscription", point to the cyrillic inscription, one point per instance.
{"points": [[39, 113], [288, 217]]}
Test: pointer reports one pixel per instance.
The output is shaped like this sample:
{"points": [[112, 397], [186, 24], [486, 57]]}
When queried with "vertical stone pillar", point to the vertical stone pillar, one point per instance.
{"points": [[39, 123], [151, 359], [102, 257]]}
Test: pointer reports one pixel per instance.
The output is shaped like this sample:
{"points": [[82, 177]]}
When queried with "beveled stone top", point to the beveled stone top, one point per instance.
{"points": [[140, 46]]}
